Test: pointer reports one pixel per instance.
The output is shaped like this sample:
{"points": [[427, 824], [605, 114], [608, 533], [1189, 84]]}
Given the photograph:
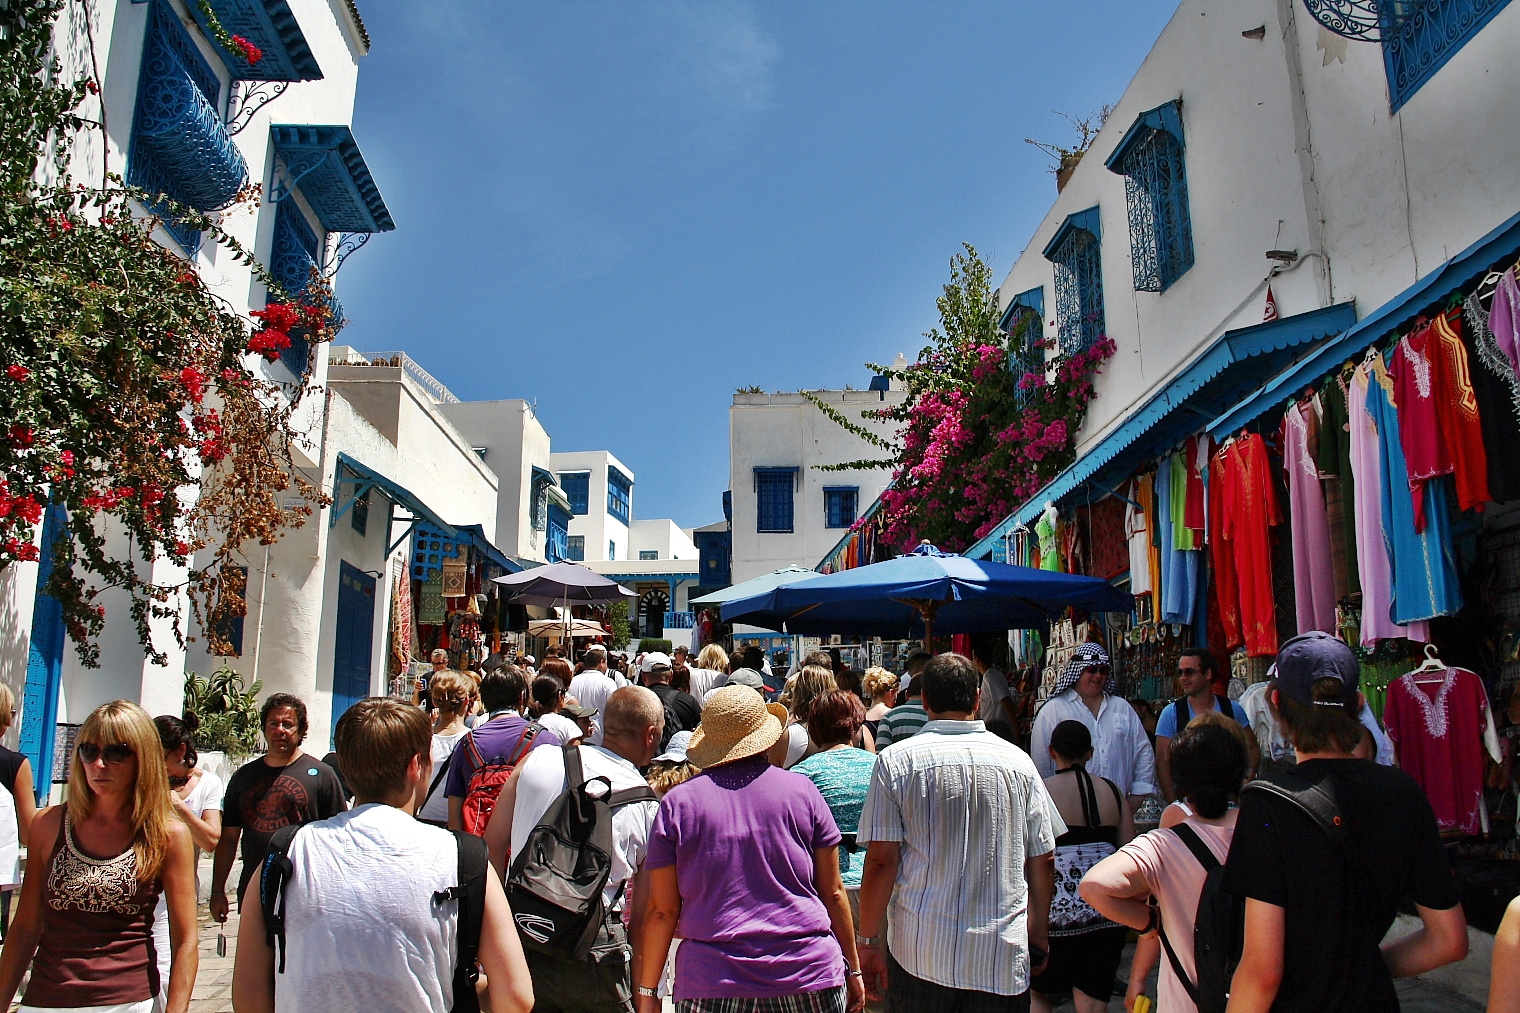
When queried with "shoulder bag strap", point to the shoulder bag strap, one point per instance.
{"points": [[524, 742], [1195, 844], [627, 795], [1316, 800], [273, 878], [1223, 703], [575, 774], [443, 771], [471, 894], [1182, 715], [1176, 962]]}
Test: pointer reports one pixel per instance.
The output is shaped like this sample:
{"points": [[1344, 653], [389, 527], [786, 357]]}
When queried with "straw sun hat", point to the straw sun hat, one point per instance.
{"points": [[735, 724]]}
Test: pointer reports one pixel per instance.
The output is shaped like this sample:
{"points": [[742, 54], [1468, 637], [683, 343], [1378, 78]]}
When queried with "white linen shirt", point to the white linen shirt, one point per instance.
{"points": [[1121, 750], [968, 808], [591, 689]]}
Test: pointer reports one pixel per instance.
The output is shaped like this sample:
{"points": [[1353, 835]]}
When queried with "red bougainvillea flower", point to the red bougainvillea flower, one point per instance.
{"points": [[21, 435], [194, 382], [24, 551], [17, 373], [188, 278], [278, 316], [269, 343], [247, 50], [182, 548]]}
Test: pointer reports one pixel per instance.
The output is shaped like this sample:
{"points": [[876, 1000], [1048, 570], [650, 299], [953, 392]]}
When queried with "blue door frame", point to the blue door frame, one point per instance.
{"points": [[44, 663], [355, 639]]}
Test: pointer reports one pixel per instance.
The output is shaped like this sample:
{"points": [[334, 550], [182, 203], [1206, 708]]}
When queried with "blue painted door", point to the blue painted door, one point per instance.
{"points": [[356, 628], [44, 666]]}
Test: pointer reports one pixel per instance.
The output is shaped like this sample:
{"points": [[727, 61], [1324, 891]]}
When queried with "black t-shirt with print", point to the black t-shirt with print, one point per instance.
{"points": [[261, 799], [1331, 956]]}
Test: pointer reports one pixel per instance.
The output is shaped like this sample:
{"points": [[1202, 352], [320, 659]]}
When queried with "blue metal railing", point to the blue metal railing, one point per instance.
{"points": [[680, 620]]}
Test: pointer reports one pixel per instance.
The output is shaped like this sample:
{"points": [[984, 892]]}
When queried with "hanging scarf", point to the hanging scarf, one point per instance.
{"points": [[1085, 656]]}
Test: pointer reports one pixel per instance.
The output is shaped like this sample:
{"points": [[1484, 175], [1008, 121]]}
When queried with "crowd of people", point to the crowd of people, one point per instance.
{"points": [[617, 834]]}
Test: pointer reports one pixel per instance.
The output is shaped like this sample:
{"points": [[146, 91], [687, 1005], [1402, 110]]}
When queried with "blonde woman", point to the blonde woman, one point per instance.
{"points": [[85, 919], [711, 671], [18, 803], [801, 693], [451, 693], [880, 687]]}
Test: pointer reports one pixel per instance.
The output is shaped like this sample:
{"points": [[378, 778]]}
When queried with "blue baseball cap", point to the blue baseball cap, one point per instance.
{"points": [[1310, 657]]}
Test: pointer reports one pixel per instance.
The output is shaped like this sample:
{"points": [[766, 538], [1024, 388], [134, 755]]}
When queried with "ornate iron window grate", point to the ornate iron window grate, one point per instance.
{"points": [[1419, 36], [293, 256], [180, 146], [1026, 353], [1160, 231], [1079, 290]]}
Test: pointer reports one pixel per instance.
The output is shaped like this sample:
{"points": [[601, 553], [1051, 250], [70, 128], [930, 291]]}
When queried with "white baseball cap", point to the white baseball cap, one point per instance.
{"points": [[653, 660]]}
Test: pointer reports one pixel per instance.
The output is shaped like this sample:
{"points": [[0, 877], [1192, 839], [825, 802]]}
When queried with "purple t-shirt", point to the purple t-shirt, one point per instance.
{"points": [[496, 738], [742, 837]]}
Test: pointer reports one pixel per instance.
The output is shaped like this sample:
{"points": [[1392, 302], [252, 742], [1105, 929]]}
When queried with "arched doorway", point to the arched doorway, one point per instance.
{"points": [[652, 608]]}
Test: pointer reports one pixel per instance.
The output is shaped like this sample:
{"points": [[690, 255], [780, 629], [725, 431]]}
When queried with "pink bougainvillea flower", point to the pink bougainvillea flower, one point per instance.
{"points": [[17, 372]]}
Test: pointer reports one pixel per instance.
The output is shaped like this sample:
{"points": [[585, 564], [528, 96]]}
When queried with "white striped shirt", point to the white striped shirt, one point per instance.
{"points": [[968, 807], [1121, 750]]}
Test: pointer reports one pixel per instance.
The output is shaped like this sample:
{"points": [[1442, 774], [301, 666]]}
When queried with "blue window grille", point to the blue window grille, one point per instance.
{"points": [[774, 488], [649, 554], [1155, 188], [1075, 253], [294, 254], [577, 487], [1419, 36], [839, 505], [575, 547], [1024, 323], [557, 545], [611, 549], [358, 514], [179, 145], [619, 494]]}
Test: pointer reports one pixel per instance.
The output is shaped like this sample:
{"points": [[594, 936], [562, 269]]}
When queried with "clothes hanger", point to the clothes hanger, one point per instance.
{"points": [[1431, 664]]}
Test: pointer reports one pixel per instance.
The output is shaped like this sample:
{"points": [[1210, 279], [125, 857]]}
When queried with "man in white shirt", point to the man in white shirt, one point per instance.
{"points": [[1121, 750], [592, 688], [960, 834], [633, 721], [365, 883], [996, 703]]}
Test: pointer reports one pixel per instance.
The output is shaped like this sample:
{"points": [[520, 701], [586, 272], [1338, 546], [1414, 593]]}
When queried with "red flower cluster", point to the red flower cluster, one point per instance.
{"points": [[247, 50], [212, 447], [21, 436], [18, 373], [24, 551], [194, 382], [110, 499]]}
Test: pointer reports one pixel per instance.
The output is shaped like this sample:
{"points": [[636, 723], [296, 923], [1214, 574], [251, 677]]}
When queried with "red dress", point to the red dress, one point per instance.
{"points": [[1426, 454], [1457, 408], [1250, 507], [1222, 552], [1437, 728]]}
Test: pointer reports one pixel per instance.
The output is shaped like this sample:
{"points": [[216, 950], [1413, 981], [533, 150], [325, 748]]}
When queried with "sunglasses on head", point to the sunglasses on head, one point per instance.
{"points": [[89, 752]]}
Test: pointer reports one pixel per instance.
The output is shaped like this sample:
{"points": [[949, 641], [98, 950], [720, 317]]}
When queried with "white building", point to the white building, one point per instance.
{"points": [[599, 488], [785, 510], [187, 118], [1257, 147]]}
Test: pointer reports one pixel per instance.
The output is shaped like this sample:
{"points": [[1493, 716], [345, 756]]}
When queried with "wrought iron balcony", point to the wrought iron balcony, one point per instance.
{"points": [[680, 620]]}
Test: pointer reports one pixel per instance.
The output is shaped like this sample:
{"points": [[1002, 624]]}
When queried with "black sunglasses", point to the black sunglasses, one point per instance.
{"points": [[89, 752]]}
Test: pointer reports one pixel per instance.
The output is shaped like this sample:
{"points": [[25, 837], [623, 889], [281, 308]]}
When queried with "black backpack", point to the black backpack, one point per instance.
{"points": [[555, 887], [471, 894], [1219, 925], [1182, 712]]}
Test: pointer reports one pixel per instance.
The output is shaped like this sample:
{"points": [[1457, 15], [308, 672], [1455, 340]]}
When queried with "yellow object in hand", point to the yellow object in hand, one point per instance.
{"points": [[1143, 1004]]}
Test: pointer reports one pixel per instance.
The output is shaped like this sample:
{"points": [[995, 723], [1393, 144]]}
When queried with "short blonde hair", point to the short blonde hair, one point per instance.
{"points": [[877, 681], [1229, 724], [7, 706], [713, 658], [451, 691], [666, 774], [439, 654], [376, 739]]}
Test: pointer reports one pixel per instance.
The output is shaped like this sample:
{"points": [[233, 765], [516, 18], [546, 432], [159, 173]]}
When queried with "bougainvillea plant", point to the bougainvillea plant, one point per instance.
{"points": [[983, 427], [250, 53], [131, 405]]}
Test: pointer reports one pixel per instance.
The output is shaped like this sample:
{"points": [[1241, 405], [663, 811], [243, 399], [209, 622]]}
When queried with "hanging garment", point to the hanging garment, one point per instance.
{"points": [[1497, 391], [1457, 409], [1426, 454], [1249, 508], [1424, 570], [1313, 578], [1182, 535], [1110, 547], [1375, 572], [1147, 500], [1195, 513], [1221, 554], [1437, 729], [1333, 457], [1046, 530], [1139, 539], [1505, 319], [1179, 567]]}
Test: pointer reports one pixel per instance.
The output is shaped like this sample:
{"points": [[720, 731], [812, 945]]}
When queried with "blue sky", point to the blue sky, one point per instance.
{"points": [[623, 211]]}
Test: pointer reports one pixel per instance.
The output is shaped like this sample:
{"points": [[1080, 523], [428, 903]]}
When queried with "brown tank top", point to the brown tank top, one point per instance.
{"points": [[97, 930]]}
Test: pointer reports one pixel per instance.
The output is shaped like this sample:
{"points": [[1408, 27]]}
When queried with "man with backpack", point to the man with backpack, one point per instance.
{"points": [[485, 757], [1195, 677], [578, 953], [1325, 856], [373, 910]]}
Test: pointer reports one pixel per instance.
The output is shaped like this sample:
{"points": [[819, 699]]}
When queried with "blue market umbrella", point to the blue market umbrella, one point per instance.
{"points": [[756, 585], [925, 589]]}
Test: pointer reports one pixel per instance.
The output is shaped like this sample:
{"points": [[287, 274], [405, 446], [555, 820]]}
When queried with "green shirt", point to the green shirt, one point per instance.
{"points": [[901, 722]]}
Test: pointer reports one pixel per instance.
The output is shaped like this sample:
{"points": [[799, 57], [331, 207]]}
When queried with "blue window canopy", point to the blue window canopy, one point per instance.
{"points": [[352, 480], [1166, 118], [1214, 380], [1088, 221], [1499, 245], [268, 24], [324, 162], [1030, 301]]}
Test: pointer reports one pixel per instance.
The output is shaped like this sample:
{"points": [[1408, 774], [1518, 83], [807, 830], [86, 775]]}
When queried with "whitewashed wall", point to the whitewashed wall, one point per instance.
{"points": [[597, 525], [515, 443]]}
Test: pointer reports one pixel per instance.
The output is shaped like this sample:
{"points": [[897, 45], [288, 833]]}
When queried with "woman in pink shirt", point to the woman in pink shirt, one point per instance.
{"points": [[1208, 768]]}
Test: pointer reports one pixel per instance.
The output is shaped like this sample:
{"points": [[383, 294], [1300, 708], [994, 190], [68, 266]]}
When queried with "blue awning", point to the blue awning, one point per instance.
{"points": [[1214, 380], [477, 538], [1167, 118], [361, 478], [1088, 220], [324, 162], [1034, 299], [268, 24], [1499, 245]]}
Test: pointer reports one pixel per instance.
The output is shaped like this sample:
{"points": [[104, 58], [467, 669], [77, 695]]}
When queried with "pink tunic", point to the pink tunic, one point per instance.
{"points": [[1313, 575], [1504, 318], [1414, 396], [1372, 564], [1437, 729]]}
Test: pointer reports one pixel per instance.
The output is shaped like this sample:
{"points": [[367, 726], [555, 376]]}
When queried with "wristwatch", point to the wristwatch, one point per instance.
{"points": [[861, 940], [646, 991]]}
